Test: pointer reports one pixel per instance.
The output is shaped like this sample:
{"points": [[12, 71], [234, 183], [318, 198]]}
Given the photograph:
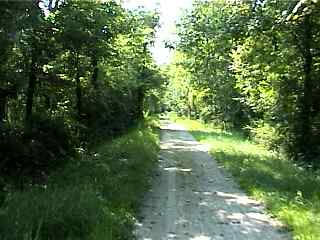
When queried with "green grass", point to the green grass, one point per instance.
{"points": [[94, 197], [291, 193]]}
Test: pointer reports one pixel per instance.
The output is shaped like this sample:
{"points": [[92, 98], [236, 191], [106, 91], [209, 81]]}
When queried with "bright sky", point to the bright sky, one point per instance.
{"points": [[170, 11]]}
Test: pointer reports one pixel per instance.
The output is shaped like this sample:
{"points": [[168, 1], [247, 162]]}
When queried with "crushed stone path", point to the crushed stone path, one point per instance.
{"points": [[192, 198]]}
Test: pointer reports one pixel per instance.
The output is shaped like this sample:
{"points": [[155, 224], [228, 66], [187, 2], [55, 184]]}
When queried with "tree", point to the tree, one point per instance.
{"points": [[258, 61], [12, 16], [207, 36], [77, 71]]}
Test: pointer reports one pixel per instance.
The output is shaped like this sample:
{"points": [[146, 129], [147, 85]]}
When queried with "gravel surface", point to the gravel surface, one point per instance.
{"points": [[193, 198]]}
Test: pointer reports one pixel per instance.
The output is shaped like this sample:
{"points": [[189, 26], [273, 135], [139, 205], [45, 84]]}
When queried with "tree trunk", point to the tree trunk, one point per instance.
{"points": [[188, 104], [94, 78], [31, 87], [306, 103], [5, 94], [78, 89], [140, 102], [3, 102]]}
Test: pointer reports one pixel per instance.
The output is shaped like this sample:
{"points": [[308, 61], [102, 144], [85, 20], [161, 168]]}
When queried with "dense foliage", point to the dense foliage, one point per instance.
{"points": [[252, 65], [92, 197], [75, 75], [70, 72]]}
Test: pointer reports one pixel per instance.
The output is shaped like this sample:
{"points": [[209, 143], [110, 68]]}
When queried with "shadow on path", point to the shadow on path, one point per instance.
{"points": [[193, 198]]}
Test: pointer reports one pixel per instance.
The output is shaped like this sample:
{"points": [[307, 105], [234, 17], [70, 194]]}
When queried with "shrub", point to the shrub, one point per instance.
{"points": [[266, 135], [93, 197], [42, 145], [53, 134], [12, 150], [108, 113]]}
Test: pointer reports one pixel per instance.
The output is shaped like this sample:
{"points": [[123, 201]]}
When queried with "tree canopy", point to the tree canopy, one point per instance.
{"points": [[70, 70], [252, 65]]}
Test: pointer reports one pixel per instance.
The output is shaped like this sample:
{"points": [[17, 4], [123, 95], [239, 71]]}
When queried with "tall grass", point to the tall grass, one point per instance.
{"points": [[94, 197], [291, 193]]}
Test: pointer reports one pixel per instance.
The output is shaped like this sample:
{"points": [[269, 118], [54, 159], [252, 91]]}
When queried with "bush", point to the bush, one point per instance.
{"points": [[12, 150], [54, 137], [266, 135], [42, 145], [93, 197], [108, 113]]}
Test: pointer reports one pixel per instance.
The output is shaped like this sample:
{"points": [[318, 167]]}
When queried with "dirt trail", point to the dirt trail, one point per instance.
{"points": [[192, 198]]}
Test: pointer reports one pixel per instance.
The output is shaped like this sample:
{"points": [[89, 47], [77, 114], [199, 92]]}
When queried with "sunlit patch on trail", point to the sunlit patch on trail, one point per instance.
{"points": [[200, 238], [175, 169], [189, 145], [172, 126], [237, 198], [172, 236]]}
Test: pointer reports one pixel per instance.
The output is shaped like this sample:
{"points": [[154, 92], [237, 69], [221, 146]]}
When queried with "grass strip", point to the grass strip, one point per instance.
{"points": [[94, 197], [291, 193]]}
